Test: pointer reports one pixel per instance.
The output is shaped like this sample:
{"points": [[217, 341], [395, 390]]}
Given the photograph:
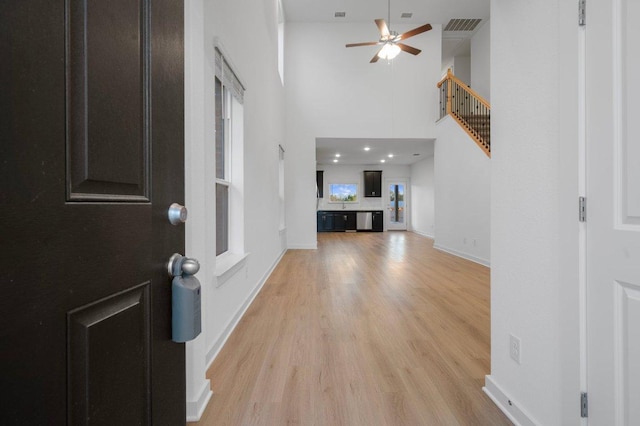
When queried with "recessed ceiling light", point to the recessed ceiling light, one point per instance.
{"points": [[406, 15], [383, 160], [337, 155], [390, 155], [335, 160], [366, 148], [339, 14]]}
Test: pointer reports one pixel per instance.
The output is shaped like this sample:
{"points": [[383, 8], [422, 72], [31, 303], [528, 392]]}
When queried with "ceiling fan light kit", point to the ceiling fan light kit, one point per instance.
{"points": [[390, 40], [389, 51]]}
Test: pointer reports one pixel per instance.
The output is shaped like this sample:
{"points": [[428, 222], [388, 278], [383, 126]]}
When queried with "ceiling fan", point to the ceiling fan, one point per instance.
{"points": [[390, 40]]}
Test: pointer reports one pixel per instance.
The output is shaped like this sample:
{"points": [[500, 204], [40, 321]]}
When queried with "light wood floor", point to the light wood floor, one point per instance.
{"points": [[370, 329]]}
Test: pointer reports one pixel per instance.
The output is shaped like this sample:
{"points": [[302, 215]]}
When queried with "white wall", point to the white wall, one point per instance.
{"points": [[253, 54], [462, 175], [534, 283], [446, 65], [480, 61], [422, 197], [462, 68], [332, 91]]}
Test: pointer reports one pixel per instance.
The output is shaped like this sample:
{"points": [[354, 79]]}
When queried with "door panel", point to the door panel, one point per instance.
{"points": [[628, 89], [627, 318], [90, 164], [121, 324], [108, 117], [613, 219]]}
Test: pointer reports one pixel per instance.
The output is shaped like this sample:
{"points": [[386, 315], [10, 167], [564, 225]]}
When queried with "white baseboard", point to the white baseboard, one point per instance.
{"points": [[463, 255], [303, 246], [509, 407], [219, 342], [196, 408], [424, 234]]}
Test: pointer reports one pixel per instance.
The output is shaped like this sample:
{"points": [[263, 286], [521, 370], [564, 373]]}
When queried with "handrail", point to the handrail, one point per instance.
{"points": [[450, 76], [468, 108]]}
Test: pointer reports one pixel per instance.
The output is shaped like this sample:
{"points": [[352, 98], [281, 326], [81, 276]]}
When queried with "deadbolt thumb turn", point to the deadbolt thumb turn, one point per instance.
{"points": [[177, 214], [185, 298]]}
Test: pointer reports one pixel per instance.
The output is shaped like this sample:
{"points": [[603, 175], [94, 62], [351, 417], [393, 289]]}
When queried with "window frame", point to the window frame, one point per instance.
{"points": [[228, 169]]}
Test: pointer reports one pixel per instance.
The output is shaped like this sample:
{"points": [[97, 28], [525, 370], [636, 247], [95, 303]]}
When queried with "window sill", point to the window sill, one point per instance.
{"points": [[227, 265]]}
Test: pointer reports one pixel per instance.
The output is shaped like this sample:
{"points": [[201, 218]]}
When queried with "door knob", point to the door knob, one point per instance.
{"points": [[181, 265]]}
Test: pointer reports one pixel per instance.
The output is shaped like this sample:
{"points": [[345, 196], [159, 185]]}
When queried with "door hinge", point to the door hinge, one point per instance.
{"points": [[582, 12], [584, 405], [582, 209]]}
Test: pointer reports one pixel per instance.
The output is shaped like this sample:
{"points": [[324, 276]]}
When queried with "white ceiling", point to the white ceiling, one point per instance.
{"points": [[424, 11], [352, 151], [431, 11]]}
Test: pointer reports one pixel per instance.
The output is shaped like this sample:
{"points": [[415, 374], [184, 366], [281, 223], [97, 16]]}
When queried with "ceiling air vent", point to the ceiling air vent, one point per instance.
{"points": [[340, 14], [406, 15], [462, 24]]}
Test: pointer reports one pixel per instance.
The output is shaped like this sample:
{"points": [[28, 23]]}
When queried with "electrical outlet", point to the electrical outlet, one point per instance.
{"points": [[474, 242], [514, 348], [464, 240]]}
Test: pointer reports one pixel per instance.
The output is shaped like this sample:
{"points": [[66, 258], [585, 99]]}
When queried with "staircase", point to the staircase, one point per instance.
{"points": [[469, 109]]}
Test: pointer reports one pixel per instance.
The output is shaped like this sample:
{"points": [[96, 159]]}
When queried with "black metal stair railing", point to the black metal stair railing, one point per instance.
{"points": [[468, 108]]}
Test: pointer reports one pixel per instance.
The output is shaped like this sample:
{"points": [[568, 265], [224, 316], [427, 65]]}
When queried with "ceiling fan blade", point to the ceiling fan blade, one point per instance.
{"points": [[415, 31], [367, 43], [382, 26], [409, 49], [375, 57]]}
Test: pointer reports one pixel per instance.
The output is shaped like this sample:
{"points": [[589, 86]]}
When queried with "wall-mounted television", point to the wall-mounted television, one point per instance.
{"points": [[343, 192]]}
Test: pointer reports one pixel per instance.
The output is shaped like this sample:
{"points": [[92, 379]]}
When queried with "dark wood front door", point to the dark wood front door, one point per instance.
{"points": [[92, 141]]}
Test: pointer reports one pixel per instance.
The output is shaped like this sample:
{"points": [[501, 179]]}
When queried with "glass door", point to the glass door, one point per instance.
{"points": [[397, 205]]}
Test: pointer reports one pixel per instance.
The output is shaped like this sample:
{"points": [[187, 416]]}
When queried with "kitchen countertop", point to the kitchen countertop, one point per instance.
{"points": [[348, 210]]}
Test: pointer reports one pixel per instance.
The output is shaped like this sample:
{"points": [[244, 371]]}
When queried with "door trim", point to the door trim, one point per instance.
{"points": [[582, 192]]}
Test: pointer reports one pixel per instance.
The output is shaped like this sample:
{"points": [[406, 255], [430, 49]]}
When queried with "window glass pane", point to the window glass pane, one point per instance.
{"points": [[396, 203], [220, 130], [222, 218], [400, 203]]}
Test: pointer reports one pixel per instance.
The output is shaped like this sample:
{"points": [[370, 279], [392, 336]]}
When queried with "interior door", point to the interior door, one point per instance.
{"points": [[397, 203], [91, 111], [613, 212]]}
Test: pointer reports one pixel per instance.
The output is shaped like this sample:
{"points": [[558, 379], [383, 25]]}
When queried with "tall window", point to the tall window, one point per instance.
{"points": [[223, 181], [229, 94]]}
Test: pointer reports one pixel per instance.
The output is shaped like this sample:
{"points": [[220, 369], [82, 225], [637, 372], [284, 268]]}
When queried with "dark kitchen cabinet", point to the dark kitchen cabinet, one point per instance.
{"points": [[377, 219], [325, 221], [350, 223], [373, 183], [320, 183], [334, 221]]}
